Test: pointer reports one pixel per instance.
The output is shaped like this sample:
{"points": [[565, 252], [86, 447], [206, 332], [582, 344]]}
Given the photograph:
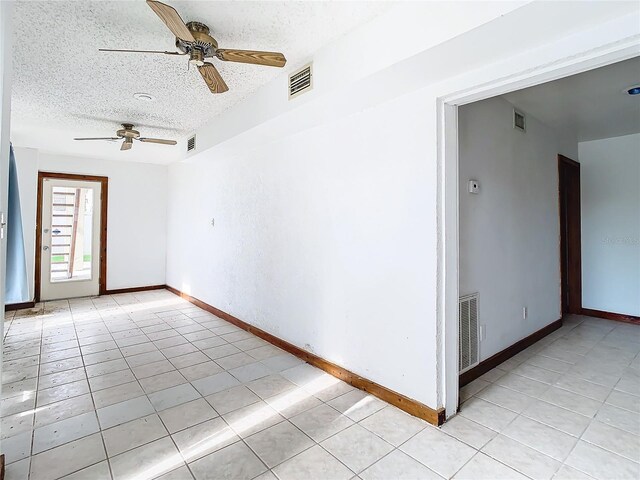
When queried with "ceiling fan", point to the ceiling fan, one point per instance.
{"points": [[128, 134], [193, 39]]}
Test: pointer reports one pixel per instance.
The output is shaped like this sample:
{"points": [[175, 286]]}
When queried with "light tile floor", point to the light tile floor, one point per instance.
{"points": [[146, 385]]}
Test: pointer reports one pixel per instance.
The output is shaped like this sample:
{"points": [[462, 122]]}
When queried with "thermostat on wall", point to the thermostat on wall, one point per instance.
{"points": [[474, 186]]}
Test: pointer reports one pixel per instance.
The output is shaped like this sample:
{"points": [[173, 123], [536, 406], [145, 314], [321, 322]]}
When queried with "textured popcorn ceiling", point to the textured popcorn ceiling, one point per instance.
{"points": [[63, 87]]}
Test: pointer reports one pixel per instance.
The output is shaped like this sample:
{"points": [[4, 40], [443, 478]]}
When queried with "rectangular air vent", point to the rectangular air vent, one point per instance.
{"points": [[191, 143], [519, 121], [300, 81], [468, 332]]}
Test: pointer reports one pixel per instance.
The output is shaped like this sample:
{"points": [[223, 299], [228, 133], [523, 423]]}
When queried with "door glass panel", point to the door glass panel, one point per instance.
{"points": [[71, 233]]}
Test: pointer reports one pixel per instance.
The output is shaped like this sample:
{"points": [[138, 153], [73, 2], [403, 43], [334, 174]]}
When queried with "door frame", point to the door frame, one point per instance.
{"points": [[568, 276], [104, 181], [447, 105]]}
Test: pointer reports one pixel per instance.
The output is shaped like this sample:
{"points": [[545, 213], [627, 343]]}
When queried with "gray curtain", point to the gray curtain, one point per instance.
{"points": [[16, 288]]}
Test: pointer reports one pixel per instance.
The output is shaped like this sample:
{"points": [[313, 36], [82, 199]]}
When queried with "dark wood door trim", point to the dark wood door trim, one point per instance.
{"points": [[570, 235], [104, 181]]}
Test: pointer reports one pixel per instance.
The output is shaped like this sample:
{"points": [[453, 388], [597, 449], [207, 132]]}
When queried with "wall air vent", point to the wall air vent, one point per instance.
{"points": [[468, 332], [191, 143], [300, 81], [519, 121]]}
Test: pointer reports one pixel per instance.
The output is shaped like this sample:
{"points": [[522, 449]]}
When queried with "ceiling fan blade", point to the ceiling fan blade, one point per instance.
{"points": [[212, 78], [99, 138], [271, 59], [158, 140], [172, 20], [126, 145], [139, 51]]}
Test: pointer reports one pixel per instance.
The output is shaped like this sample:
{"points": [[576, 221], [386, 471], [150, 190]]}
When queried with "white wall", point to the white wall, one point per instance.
{"points": [[509, 232], [326, 216], [318, 240], [610, 191], [136, 238]]}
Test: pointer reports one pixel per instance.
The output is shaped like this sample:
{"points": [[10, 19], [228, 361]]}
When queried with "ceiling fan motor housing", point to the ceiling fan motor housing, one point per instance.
{"points": [[127, 131], [205, 44]]}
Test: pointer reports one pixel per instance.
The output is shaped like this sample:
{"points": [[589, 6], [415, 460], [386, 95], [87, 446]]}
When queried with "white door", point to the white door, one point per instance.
{"points": [[70, 259]]}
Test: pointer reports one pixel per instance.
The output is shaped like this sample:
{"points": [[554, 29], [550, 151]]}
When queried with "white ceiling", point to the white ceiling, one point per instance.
{"points": [[64, 88], [587, 106]]}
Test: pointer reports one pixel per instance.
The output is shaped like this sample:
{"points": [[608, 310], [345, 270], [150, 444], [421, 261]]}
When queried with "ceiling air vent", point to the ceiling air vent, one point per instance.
{"points": [[519, 122], [468, 332], [191, 143], [300, 81]]}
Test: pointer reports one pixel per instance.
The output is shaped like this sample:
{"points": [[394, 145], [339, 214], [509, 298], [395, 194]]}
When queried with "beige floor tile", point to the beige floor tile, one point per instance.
{"points": [[235, 462], [123, 412], [321, 422], [278, 443], [99, 471], [186, 415], [133, 434], [540, 437], [613, 439], [357, 404], [232, 399], [271, 385], [600, 463], [201, 370], [393, 425], [120, 393], [313, 464], [468, 431], [200, 440], [619, 418], [162, 381], [624, 400], [398, 466], [482, 467], [441, 453], [252, 418], [557, 417], [61, 392], [357, 447], [111, 380], [64, 431], [60, 378], [521, 458], [506, 398], [148, 461], [77, 454]]}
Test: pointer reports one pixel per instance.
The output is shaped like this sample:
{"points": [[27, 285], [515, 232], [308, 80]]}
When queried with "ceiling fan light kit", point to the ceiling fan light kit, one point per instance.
{"points": [[194, 39]]}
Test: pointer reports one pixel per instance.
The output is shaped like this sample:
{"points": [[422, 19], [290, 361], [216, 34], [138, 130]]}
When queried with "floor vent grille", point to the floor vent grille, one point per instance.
{"points": [[300, 81], [468, 331]]}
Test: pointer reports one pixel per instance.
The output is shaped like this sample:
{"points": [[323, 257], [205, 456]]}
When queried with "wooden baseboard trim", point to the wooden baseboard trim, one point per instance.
{"points": [[495, 360], [618, 317], [116, 291], [413, 407], [18, 306]]}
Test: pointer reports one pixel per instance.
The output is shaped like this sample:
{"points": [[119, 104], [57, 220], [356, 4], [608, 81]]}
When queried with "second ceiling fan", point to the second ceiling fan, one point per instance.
{"points": [[193, 39]]}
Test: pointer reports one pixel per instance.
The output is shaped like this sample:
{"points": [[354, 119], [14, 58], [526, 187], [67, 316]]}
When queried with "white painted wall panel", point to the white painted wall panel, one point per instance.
{"points": [[610, 188], [509, 232], [321, 239], [136, 239]]}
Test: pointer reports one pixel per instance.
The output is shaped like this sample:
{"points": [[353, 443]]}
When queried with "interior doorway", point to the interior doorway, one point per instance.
{"points": [[451, 185], [570, 235], [70, 236]]}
